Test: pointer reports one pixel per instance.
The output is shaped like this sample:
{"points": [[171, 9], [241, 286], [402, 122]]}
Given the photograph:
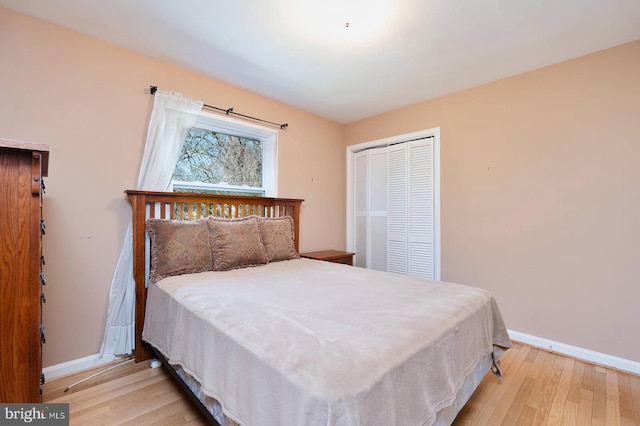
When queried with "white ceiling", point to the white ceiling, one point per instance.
{"points": [[301, 53]]}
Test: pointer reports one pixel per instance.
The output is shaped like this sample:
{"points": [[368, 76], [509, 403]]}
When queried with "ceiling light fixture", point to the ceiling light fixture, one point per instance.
{"points": [[325, 22]]}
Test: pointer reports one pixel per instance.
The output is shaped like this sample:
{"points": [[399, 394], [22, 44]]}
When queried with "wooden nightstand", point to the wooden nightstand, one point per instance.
{"points": [[335, 256]]}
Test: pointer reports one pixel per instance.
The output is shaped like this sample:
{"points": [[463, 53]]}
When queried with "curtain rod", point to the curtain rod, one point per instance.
{"points": [[154, 89]]}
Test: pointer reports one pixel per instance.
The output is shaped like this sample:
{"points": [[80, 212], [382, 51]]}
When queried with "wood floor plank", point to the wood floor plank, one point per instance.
{"points": [[600, 396], [536, 363], [585, 407], [613, 399], [634, 384], [544, 374], [589, 376], [548, 393], [626, 403], [531, 356], [178, 412], [576, 382], [625, 421], [557, 410], [519, 402], [569, 414], [526, 416], [125, 405]]}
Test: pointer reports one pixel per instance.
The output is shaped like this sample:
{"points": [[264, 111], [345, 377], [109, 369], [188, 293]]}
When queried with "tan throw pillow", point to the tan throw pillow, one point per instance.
{"points": [[278, 238], [178, 247], [236, 243]]}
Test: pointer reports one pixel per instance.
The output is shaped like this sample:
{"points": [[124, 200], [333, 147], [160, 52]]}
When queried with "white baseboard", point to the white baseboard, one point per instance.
{"points": [[576, 352], [76, 365]]}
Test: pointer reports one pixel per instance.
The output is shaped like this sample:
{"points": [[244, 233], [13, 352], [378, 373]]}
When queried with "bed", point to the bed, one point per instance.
{"points": [[259, 336]]}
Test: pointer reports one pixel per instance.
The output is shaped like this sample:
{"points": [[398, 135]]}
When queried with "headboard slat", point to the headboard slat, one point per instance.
{"points": [[191, 206]]}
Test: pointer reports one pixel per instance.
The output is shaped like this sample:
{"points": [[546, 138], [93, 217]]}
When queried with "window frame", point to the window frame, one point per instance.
{"points": [[268, 138]]}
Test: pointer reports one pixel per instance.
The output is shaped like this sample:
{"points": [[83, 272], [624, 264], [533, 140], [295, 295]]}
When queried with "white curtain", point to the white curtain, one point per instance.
{"points": [[172, 116]]}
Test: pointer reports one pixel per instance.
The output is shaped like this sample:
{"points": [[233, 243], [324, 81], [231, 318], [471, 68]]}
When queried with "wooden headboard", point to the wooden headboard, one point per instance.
{"points": [[191, 206]]}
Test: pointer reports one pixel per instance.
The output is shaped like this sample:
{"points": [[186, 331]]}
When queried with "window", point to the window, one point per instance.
{"points": [[222, 155]]}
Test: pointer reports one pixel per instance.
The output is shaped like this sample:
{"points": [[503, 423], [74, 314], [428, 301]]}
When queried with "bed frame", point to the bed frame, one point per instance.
{"points": [[191, 206]]}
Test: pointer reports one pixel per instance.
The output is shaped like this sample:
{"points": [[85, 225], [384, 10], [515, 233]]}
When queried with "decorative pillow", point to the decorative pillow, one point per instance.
{"points": [[235, 243], [278, 238], [178, 247]]}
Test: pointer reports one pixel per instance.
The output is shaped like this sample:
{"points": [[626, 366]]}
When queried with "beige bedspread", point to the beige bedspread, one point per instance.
{"points": [[305, 342]]}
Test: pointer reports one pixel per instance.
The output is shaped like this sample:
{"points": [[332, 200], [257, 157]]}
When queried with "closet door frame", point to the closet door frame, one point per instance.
{"points": [[351, 151]]}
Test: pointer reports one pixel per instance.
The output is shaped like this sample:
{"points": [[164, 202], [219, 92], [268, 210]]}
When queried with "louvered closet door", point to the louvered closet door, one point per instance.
{"points": [[370, 187], [361, 196], [397, 228], [410, 238], [420, 208]]}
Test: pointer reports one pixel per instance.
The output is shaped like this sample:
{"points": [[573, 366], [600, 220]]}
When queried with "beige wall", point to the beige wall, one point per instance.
{"points": [[540, 199], [89, 101], [540, 195]]}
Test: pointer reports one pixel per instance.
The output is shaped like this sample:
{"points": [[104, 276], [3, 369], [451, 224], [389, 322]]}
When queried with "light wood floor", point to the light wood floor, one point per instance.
{"points": [[538, 388], [542, 388]]}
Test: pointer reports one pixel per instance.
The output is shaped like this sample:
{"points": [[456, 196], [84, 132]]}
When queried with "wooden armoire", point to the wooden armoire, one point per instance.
{"points": [[22, 167]]}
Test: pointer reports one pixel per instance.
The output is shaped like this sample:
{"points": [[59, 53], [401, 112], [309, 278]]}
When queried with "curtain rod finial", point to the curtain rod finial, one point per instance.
{"points": [[153, 89], [284, 126]]}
